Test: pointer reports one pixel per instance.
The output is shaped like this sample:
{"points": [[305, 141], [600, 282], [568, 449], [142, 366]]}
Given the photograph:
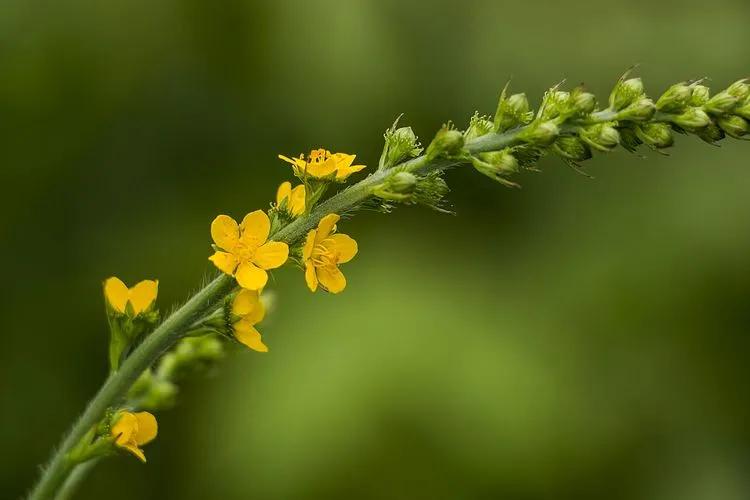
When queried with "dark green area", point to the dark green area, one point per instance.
{"points": [[574, 339]]}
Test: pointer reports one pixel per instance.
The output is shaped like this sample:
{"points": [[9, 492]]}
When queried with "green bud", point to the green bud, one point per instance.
{"points": [[447, 142], [400, 144], [541, 134], [734, 126], [583, 102], [602, 136], [701, 95], [497, 165], [402, 183], [712, 134], [692, 120], [511, 112], [656, 135], [641, 110], [675, 99], [740, 89], [721, 104], [572, 148], [625, 93]]}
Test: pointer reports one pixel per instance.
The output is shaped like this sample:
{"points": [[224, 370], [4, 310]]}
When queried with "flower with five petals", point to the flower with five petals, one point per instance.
{"points": [[322, 253], [244, 250], [248, 311], [322, 164]]}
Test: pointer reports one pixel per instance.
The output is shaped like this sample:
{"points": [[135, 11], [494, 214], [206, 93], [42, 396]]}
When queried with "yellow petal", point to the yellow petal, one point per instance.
{"points": [[321, 169], [225, 232], [271, 255], [124, 429], [226, 262], [283, 193], [244, 302], [344, 246], [248, 335], [250, 276], [147, 428], [343, 173], [255, 228], [310, 277], [309, 245], [325, 226], [297, 200], [132, 448], [343, 160], [116, 294], [331, 278], [256, 315], [143, 294], [297, 162]]}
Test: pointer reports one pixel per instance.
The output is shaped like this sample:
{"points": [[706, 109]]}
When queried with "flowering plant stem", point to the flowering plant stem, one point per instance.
{"points": [[440, 156]]}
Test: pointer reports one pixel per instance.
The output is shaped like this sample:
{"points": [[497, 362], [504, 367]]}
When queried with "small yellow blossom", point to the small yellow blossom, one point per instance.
{"points": [[250, 310], [140, 297], [133, 430], [245, 251], [322, 164], [324, 250], [295, 198]]}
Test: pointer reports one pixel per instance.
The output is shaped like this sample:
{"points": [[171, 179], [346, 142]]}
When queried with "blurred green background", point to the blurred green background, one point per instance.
{"points": [[574, 339]]}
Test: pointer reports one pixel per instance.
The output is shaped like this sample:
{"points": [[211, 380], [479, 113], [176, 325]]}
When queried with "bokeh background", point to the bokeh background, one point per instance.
{"points": [[574, 339]]}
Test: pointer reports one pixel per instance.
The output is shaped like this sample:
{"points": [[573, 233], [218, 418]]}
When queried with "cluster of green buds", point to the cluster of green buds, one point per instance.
{"points": [[569, 124]]}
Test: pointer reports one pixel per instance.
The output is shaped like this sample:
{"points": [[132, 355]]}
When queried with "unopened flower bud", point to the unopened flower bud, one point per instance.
{"points": [[400, 144], [675, 99], [447, 142], [656, 135], [625, 93], [721, 104], [701, 95], [641, 110], [541, 134], [584, 102], [740, 89], [572, 148], [511, 112], [402, 183], [603, 136], [496, 165], [743, 109], [693, 119], [734, 126]]}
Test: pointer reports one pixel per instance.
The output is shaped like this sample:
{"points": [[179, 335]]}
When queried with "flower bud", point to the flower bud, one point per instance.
{"points": [[721, 104], [675, 99], [740, 89], [572, 148], [511, 112], [583, 102], [496, 165], [603, 136], [734, 126], [641, 110], [541, 134], [625, 93], [402, 183], [478, 126], [447, 142], [692, 120], [701, 95], [656, 135], [743, 110], [400, 144]]}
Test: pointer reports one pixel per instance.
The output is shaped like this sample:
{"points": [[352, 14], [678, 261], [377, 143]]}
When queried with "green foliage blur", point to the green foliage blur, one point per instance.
{"points": [[573, 339]]}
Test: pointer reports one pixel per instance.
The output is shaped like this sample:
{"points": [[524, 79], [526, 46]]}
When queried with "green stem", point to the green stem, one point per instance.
{"points": [[75, 478], [175, 326]]}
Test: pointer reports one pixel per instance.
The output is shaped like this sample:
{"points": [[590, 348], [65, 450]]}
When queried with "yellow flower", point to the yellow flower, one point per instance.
{"points": [[247, 252], [295, 198], [250, 311], [141, 296], [133, 430], [323, 252], [321, 163]]}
